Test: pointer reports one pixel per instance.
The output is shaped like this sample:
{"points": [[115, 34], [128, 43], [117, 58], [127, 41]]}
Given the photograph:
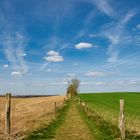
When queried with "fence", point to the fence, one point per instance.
{"points": [[20, 116], [121, 117]]}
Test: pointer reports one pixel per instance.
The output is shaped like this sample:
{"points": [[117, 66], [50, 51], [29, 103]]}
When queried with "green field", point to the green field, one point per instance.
{"points": [[106, 105]]}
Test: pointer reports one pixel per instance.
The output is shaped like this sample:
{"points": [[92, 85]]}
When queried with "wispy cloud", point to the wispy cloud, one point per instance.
{"points": [[104, 7], [138, 26], [22, 54], [49, 70], [5, 66], [92, 35], [75, 64], [117, 35], [133, 82], [113, 83], [99, 83], [72, 75], [16, 73], [127, 62], [13, 39], [14, 44], [95, 74]]}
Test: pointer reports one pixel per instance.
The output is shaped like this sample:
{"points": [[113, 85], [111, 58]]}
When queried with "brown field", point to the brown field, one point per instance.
{"points": [[27, 114]]}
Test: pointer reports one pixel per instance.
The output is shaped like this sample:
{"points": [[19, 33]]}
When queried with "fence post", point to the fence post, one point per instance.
{"points": [[55, 107], [7, 113], [122, 120], [64, 101]]}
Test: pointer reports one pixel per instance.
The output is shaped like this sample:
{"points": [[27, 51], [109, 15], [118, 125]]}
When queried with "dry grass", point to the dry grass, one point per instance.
{"points": [[27, 114]]}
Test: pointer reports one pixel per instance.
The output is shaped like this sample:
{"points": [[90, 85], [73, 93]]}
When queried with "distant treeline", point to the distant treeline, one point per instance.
{"points": [[28, 96]]}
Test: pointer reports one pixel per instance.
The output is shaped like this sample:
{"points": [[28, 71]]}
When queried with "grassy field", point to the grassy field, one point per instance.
{"points": [[35, 114], [27, 114], [106, 105]]}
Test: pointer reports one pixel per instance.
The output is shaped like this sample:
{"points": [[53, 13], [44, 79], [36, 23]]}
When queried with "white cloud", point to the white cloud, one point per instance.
{"points": [[132, 82], [52, 53], [93, 83], [76, 64], [49, 70], [71, 74], [138, 26], [128, 82], [83, 45], [16, 73], [53, 56], [113, 83], [100, 83], [95, 74], [22, 54], [5, 66], [92, 35], [84, 83]]}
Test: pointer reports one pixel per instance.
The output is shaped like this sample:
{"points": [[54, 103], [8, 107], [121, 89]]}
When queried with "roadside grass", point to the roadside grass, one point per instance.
{"points": [[48, 132], [99, 128], [104, 112]]}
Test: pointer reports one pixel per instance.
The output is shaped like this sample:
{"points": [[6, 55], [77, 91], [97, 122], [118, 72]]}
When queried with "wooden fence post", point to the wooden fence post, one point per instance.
{"points": [[7, 113], [122, 120], [64, 101], [55, 107]]}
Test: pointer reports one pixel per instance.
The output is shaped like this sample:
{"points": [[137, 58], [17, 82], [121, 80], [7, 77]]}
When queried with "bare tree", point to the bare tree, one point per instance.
{"points": [[72, 88]]}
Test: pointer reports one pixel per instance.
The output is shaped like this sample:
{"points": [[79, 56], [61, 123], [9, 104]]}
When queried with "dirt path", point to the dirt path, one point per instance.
{"points": [[73, 127]]}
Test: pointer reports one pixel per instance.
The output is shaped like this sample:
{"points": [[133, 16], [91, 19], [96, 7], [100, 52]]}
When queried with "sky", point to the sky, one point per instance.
{"points": [[46, 43]]}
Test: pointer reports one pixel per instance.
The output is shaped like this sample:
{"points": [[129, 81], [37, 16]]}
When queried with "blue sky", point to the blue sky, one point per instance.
{"points": [[43, 44]]}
